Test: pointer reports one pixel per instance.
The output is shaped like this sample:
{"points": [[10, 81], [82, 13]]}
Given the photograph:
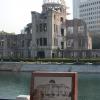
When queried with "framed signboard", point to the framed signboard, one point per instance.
{"points": [[53, 86]]}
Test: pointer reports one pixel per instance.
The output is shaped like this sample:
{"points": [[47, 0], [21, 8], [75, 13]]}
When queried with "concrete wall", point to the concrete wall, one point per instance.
{"points": [[10, 66]]}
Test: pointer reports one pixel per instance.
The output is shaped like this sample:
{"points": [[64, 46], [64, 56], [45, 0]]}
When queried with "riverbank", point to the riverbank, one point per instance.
{"points": [[10, 66], [55, 60], [38, 66]]}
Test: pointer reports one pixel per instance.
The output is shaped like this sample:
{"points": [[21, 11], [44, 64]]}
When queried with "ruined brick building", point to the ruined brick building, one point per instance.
{"points": [[52, 33]]}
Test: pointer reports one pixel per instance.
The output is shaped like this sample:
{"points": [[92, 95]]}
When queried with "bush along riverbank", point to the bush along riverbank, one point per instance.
{"points": [[71, 60], [55, 60]]}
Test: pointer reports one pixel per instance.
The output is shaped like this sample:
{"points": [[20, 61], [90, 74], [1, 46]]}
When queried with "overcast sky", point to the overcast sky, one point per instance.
{"points": [[15, 14]]}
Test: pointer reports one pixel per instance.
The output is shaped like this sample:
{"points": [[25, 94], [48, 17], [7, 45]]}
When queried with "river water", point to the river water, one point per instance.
{"points": [[13, 84]]}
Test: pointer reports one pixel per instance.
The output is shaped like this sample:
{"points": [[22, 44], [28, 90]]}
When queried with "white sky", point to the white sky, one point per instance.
{"points": [[15, 14]]}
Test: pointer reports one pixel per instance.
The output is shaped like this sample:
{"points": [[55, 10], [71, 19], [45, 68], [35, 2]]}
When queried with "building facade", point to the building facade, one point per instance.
{"points": [[8, 45], [89, 53], [77, 36], [49, 35], [89, 11], [15, 46], [24, 42], [76, 4], [48, 29]]}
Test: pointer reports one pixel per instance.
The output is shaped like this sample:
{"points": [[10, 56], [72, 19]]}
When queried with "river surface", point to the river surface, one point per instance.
{"points": [[13, 84]]}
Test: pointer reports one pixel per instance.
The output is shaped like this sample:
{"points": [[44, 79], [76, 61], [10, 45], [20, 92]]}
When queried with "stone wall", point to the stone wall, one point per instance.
{"points": [[10, 66]]}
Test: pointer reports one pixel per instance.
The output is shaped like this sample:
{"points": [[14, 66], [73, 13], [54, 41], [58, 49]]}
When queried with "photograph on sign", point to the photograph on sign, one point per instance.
{"points": [[53, 87]]}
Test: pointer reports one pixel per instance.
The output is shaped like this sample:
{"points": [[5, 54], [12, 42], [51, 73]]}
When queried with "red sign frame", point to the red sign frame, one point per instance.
{"points": [[46, 75]]}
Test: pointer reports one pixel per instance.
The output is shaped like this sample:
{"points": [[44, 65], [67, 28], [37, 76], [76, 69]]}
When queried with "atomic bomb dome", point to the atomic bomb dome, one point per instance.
{"points": [[52, 34], [54, 5], [62, 2]]}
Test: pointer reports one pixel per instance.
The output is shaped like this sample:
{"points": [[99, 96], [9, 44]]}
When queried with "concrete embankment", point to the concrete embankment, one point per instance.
{"points": [[26, 67], [10, 66]]}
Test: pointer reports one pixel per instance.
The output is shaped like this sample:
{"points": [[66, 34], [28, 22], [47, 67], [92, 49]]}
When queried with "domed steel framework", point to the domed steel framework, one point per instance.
{"points": [[57, 5], [55, 1]]}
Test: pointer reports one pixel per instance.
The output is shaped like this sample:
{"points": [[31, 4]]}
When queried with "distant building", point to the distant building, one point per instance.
{"points": [[24, 42], [14, 46], [77, 36], [89, 11], [79, 42], [76, 4], [8, 45]]}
